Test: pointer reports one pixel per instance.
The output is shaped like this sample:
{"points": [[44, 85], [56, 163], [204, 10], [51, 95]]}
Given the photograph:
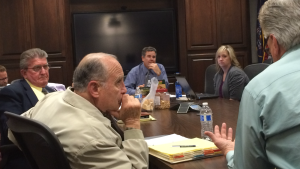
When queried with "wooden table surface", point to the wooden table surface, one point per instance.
{"points": [[188, 125]]}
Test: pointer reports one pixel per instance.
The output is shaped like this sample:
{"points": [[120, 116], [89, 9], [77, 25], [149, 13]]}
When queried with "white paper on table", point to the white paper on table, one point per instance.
{"points": [[165, 139]]}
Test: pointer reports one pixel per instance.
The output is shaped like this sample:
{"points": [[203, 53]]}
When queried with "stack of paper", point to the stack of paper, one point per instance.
{"points": [[175, 151]]}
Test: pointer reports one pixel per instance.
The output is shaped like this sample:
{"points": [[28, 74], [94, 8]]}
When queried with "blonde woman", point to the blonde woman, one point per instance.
{"points": [[230, 79]]}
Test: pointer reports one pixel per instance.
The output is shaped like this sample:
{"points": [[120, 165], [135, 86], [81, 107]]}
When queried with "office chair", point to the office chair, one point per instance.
{"points": [[254, 69], [12, 82], [6, 151], [209, 79], [39, 144], [269, 61]]}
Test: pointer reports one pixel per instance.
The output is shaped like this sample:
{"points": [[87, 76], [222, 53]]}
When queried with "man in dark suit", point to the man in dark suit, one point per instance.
{"points": [[3, 76], [24, 94]]}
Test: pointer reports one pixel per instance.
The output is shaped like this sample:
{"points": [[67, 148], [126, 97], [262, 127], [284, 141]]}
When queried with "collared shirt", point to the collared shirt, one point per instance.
{"points": [[136, 77], [86, 135], [37, 90], [268, 127]]}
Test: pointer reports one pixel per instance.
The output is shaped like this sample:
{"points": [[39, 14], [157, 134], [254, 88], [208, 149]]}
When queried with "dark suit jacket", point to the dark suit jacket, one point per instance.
{"points": [[16, 98]]}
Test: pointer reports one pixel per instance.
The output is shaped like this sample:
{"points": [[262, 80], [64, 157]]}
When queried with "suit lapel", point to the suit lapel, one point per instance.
{"points": [[30, 94]]}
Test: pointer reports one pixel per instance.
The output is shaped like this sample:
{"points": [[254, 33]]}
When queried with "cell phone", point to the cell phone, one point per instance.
{"points": [[144, 117]]}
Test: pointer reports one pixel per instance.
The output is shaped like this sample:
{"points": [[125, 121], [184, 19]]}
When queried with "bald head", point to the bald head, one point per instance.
{"points": [[93, 66]]}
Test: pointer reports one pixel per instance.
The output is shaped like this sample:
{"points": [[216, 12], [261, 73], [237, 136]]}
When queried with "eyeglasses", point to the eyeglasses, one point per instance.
{"points": [[267, 50], [4, 79], [38, 68]]}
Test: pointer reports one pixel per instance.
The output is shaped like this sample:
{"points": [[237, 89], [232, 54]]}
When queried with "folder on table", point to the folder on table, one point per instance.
{"points": [[185, 150]]}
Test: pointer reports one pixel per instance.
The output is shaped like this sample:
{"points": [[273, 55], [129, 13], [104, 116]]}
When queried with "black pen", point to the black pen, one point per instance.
{"points": [[183, 146]]}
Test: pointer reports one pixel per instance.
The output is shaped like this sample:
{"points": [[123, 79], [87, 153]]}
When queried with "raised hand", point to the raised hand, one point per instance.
{"points": [[130, 112], [222, 140], [155, 68]]}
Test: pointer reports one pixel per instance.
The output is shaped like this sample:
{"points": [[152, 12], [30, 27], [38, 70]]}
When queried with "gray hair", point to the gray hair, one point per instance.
{"points": [[31, 54], [231, 55], [148, 49], [91, 69], [2, 68], [281, 18]]}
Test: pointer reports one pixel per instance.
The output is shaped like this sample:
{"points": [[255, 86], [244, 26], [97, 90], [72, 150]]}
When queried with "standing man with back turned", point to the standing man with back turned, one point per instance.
{"points": [[24, 94], [82, 117], [139, 75], [268, 127]]}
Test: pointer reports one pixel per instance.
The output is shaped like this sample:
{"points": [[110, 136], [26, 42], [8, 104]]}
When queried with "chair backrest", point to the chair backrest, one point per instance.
{"points": [[57, 86], [39, 144], [269, 61], [254, 69], [209, 79], [12, 82]]}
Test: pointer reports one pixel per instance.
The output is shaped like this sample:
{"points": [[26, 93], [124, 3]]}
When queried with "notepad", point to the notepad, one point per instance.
{"points": [[179, 151], [164, 139]]}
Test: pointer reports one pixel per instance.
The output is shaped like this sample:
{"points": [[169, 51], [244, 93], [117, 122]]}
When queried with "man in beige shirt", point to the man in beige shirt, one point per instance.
{"points": [[81, 117]]}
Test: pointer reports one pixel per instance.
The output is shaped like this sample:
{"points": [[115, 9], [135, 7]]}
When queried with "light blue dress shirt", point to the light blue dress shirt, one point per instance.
{"points": [[136, 77], [268, 128]]}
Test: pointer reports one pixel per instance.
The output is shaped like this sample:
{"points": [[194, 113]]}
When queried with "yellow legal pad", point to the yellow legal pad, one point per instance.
{"points": [[168, 152]]}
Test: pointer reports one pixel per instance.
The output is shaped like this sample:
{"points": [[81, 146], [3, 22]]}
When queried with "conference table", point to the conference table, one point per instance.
{"points": [[188, 125]]}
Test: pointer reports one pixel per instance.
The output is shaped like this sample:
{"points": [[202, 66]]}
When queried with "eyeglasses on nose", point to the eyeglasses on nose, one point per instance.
{"points": [[4, 79], [38, 68]]}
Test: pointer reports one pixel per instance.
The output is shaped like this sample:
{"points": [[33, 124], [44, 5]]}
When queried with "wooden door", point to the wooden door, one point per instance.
{"points": [[232, 23], [47, 27], [201, 24], [14, 29], [197, 65]]}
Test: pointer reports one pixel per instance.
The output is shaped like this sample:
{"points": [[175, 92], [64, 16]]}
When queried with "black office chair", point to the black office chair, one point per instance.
{"points": [[209, 79], [269, 61], [39, 144], [254, 69], [6, 152], [12, 82]]}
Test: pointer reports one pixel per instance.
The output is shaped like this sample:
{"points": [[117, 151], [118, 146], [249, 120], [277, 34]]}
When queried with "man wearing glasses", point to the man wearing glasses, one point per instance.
{"points": [[24, 94], [3, 76], [268, 126]]}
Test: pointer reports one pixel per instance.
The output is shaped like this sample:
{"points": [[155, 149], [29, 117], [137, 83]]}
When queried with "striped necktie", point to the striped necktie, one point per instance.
{"points": [[147, 77], [114, 125], [44, 91]]}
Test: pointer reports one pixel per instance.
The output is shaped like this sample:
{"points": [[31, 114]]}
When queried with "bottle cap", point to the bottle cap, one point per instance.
{"points": [[204, 103]]}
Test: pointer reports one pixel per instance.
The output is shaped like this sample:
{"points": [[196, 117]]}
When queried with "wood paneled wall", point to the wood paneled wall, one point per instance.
{"points": [[26, 24], [203, 25], [210, 24]]}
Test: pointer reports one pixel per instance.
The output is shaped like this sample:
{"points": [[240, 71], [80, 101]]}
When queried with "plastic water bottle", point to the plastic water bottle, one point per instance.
{"points": [[138, 94], [149, 83], [206, 120], [178, 90]]}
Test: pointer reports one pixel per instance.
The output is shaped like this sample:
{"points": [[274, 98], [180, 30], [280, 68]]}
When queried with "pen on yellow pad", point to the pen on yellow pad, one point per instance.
{"points": [[183, 146]]}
